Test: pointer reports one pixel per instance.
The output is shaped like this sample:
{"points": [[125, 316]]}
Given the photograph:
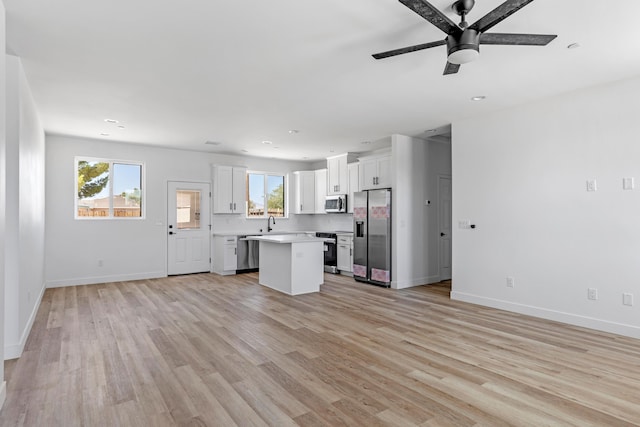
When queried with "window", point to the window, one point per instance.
{"points": [[265, 195], [108, 189]]}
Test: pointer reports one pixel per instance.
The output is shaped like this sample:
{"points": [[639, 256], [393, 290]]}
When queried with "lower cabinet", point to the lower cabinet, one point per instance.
{"points": [[225, 255], [345, 253]]}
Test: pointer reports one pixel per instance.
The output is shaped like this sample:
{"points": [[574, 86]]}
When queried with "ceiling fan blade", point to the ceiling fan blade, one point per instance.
{"points": [[408, 49], [433, 15], [499, 14], [451, 68], [517, 39]]}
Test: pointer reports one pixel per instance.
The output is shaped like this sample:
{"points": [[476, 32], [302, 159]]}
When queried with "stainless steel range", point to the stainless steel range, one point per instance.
{"points": [[330, 251]]}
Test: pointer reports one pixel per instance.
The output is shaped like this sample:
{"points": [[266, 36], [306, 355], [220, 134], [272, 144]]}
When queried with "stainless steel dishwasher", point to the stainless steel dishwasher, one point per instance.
{"points": [[248, 254]]}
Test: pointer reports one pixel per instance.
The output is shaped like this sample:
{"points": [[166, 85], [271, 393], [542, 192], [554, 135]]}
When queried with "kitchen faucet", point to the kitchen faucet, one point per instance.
{"points": [[269, 223]]}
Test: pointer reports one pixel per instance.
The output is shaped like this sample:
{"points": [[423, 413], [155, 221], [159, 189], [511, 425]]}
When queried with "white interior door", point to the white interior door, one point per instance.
{"points": [[189, 230], [444, 226]]}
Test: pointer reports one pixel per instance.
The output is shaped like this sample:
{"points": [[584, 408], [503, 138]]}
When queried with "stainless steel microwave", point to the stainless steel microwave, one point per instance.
{"points": [[337, 203]]}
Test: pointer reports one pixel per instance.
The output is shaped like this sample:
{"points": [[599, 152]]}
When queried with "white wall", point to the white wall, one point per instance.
{"points": [[136, 249], [520, 176], [24, 238], [416, 166], [24, 274], [3, 389]]}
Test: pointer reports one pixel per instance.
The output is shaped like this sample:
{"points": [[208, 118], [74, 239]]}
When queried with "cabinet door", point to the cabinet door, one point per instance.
{"points": [[354, 184], [384, 172], [305, 192], [239, 189], [333, 175], [368, 174], [222, 189], [344, 256], [321, 190], [343, 176], [230, 257]]}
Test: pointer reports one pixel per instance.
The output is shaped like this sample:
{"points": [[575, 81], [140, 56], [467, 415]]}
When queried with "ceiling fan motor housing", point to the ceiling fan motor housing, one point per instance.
{"points": [[464, 47]]}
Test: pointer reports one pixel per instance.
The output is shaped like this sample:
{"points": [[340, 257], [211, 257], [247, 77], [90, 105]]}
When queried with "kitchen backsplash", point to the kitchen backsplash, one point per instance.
{"points": [[328, 222]]}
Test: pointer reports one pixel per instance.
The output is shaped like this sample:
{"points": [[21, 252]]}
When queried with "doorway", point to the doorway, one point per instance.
{"points": [[189, 228], [444, 227]]}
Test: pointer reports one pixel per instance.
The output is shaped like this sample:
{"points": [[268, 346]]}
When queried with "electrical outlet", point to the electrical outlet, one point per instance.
{"points": [[592, 294], [592, 185], [627, 299], [510, 282]]}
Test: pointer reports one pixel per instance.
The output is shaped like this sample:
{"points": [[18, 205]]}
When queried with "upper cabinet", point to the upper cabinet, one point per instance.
{"points": [[229, 189], [338, 174], [375, 172], [354, 184], [321, 190], [305, 190]]}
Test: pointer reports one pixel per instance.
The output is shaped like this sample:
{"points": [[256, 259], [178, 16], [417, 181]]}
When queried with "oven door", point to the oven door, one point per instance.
{"points": [[330, 253]]}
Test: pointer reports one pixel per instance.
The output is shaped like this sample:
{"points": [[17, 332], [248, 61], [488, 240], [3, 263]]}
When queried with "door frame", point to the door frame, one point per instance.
{"points": [[210, 204], [440, 177]]}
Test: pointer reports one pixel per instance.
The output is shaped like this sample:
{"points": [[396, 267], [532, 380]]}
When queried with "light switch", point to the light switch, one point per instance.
{"points": [[628, 183], [592, 185]]}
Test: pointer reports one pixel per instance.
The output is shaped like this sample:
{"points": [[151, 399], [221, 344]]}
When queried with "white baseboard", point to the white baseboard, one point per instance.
{"points": [[13, 351], [402, 284], [3, 393], [558, 316], [104, 279]]}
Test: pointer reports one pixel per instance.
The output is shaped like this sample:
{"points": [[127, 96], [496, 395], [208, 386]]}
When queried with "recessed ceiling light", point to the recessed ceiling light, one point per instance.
{"points": [[110, 121], [479, 98], [573, 46], [293, 131], [244, 151], [104, 134], [120, 127], [431, 130], [213, 142], [366, 142], [267, 142]]}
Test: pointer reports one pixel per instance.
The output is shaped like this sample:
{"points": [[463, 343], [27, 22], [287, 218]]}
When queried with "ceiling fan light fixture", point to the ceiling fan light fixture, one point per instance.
{"points": [[464, 47], [463, 56]]}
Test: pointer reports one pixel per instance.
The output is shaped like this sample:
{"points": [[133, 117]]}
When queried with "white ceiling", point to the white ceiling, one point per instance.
{"points": [[178, 74]]}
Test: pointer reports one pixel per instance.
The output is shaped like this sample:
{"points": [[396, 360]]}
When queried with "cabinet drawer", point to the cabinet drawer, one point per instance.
{"points": [[230, 240], [344, 240]]}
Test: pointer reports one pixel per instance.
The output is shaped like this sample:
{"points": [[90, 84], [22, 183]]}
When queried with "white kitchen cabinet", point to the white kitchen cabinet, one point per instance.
{"points": [[225, 255], [229, 189], [321, 190], [305, 190], [338, 174], [354, 184], [375, 172], [345, 253]]}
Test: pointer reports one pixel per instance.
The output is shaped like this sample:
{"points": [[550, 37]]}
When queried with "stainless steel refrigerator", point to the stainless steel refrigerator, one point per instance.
{"points": [[372, 236]]}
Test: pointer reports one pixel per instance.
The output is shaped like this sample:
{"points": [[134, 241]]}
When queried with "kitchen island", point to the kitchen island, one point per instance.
{"points": [[293, 264]]}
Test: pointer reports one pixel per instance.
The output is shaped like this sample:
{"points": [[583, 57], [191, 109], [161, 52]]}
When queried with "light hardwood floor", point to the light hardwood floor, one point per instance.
{"points": [[206, 350]]}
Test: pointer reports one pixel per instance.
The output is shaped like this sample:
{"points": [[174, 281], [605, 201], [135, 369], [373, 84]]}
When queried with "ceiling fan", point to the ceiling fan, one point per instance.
{"points": [[463, 41]]}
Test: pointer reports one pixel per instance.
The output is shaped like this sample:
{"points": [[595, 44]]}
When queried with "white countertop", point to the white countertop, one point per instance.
{"points": [[285, 238], [258, 233], [272, 233]]}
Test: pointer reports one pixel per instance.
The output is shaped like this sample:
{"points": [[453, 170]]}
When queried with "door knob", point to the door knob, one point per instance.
{"points": [[171, 232], [442, 234]]}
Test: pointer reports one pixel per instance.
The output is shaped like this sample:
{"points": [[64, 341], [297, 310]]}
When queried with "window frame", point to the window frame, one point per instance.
{"points": [[266, 174], [111, 161]]}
